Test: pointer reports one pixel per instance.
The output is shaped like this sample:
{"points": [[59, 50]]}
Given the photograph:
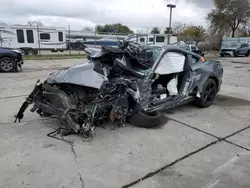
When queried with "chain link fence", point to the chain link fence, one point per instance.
{"points": [[52, 40], [206, 44]]}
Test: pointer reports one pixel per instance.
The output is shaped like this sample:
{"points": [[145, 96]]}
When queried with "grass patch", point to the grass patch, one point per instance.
{"points": [[55, 56]]}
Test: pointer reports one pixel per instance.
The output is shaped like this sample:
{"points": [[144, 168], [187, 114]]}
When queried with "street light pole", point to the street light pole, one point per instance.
{"points": [[171, 6]]}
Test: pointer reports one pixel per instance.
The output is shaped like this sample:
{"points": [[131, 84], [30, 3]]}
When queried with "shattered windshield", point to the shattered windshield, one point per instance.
{"points": [[156, 51]]}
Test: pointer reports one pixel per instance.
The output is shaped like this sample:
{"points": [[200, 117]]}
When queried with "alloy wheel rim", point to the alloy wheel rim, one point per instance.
{"points": [[6, 65], [210, 93], [31, 52]]}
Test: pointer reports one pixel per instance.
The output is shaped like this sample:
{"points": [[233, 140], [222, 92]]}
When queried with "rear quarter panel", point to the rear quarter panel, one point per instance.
{"points": [[203, 71]]}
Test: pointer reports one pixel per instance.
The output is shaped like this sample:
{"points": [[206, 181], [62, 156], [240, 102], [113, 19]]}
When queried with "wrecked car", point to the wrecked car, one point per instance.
{"points": [[125, 84]]}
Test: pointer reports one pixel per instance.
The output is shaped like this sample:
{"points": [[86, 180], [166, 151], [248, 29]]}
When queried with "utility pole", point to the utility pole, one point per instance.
{"points": [[95, 35], [171, 6], [69, 39], [38, 38]]}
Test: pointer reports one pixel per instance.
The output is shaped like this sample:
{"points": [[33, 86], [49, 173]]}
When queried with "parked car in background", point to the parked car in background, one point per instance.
{"points": [[11, 60], [235, 49], [192, 48]]}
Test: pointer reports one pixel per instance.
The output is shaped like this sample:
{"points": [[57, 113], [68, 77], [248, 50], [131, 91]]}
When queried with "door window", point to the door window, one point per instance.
{"points": [[60, 36], [244, 45], [142, 39], [160, 38], [20, 36], [30, 37], [171, 62]]}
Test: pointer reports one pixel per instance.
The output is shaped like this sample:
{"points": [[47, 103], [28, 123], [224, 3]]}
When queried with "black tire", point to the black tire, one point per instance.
{"points": [[61, 50], [208, 94], [7, 65], [247, 54], [30, 52], [35, 52], [222, 55], [144, 119]]}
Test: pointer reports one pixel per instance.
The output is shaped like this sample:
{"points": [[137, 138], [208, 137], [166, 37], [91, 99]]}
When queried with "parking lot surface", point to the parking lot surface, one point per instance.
{"points": [[192, 148]]}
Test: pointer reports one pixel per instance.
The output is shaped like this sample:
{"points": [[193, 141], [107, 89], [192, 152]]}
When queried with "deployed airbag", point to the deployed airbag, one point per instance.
{"points": [[171, 62]]}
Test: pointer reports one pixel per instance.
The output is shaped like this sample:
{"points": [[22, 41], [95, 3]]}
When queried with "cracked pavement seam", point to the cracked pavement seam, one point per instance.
{"points": [[223, 139], [81, 179], [74, 153], [75, 158]]}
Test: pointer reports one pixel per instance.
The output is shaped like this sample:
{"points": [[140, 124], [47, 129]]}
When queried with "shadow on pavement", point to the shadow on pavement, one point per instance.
{"points": [[226, 101]]}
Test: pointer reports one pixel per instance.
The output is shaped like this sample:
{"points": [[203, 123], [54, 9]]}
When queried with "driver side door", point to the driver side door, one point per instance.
{"points": [[243, 49]]}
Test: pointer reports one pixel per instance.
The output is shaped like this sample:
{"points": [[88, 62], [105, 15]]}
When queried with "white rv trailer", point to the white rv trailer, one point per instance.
{"points": [[156, 39], [31, 38]]}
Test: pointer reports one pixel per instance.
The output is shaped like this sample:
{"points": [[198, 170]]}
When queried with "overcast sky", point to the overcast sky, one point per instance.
{"points": [[80, 13]]}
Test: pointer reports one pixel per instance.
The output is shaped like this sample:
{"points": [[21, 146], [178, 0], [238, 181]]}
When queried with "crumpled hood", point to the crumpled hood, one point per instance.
{"points": [[229, 48], [82, 74], [94, 52]]}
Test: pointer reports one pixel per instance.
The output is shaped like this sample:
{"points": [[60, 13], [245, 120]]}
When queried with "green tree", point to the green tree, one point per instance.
{"points": [[109, 28], [155, 30], [195, 33], [229, 14], [167, 30]]}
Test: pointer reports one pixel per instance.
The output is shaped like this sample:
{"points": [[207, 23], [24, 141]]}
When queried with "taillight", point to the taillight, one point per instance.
{"points": [[203, 59]]}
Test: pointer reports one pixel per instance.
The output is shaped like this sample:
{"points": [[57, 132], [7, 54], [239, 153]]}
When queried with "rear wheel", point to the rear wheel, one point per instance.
{"points": [[208, 94], [7, 64], [30, 52], [247, 54], [35, 52], [145, 119]]}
